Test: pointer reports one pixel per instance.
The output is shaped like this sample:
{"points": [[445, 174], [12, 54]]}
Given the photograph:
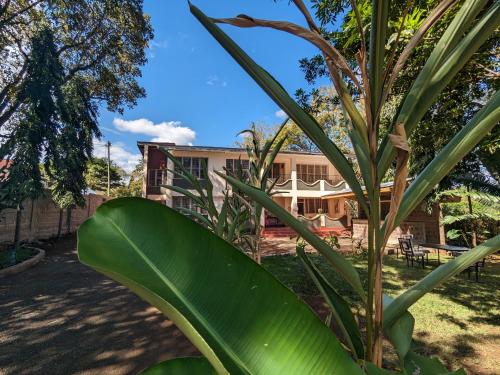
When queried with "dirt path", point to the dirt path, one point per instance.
{"points": [[61, 317]]}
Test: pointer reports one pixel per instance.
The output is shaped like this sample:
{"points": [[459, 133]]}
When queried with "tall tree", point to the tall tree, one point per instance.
{"points": [[96, 175], [100, 41], [478, 80]]}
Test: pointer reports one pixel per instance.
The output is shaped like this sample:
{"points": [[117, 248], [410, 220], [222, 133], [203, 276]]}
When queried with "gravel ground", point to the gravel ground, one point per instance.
{"points": [[61, 317]]}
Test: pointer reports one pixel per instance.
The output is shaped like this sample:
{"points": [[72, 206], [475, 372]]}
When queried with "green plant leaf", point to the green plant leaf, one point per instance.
{"points": [[181, 366], [416, 364], [448, 57], [338, 306], [277, 93], [459, 146], [338, 262], [238, 315], [371, 369], [401, 332], [378, 34], [402, 303]]}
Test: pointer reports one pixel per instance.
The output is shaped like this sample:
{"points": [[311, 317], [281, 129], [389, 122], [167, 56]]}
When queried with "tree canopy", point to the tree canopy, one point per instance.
{"points": [[102, 42], [96, 175], [476, 82]]}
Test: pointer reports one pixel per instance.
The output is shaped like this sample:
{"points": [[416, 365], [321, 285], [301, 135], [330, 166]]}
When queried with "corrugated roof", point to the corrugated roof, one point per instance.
{"points": [[173, 146]]}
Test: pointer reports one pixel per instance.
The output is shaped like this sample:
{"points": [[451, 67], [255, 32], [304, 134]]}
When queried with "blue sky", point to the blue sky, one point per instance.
{"points": [[196, 93]]}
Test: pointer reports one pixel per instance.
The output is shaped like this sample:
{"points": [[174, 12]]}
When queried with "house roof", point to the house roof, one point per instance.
{"points": [[173, 146]]}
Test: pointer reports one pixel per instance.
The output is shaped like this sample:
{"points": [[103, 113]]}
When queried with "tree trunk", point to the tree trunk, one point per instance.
{"points": [[17, 232], [68, 220], [59, 227], [473, 228], [17, 237]]}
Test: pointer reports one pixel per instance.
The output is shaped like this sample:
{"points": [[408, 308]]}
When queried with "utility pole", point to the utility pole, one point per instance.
{"points": [[108, 145]]}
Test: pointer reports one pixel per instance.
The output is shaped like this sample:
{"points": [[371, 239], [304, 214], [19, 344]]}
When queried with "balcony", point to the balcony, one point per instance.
{"points": [[313, 183], [283, 182], [310, 183]]}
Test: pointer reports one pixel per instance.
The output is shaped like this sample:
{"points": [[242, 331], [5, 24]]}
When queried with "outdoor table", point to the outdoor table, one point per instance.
{"points": [[450, 248]]}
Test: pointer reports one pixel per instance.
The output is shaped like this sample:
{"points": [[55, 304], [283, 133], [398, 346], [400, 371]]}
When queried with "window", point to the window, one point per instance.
{"points": [[232, 165], [311, 172], [312, 205], [336, 206], [157, 177], [193, 166], [277, 171], [179, 202]]}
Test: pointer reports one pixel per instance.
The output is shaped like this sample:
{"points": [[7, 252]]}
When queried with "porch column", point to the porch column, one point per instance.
{"points": [[263, 218], [169, 180], [293, 175], [145, 172]]}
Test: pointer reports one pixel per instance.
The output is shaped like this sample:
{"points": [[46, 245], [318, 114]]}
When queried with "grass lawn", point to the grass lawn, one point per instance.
{"points": [[459, 322], [21, 255]]}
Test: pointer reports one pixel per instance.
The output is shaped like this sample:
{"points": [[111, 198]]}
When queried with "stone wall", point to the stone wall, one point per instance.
{"points": [[40, 219]]}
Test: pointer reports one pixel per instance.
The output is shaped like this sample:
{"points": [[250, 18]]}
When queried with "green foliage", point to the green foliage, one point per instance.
{"points": [[96, 175], [204, 307], [101, 42], [230, 221], [463, 220], [181, 366], [56, 125], [136, 179], [161, 270]]}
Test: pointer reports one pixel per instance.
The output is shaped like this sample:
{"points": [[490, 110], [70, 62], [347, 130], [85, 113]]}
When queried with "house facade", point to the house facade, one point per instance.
{"points": [[307, 185]]}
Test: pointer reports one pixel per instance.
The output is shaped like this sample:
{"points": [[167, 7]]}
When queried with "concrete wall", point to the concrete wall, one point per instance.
{"points": [[40, 219], [154, 158], [425, 227]]}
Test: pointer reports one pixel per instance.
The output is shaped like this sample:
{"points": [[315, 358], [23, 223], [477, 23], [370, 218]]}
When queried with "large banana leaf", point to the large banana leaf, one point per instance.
{"points": [[338, 306], [237, 314], [402, 303], [277, 93], [338, 262], [181, 366]]}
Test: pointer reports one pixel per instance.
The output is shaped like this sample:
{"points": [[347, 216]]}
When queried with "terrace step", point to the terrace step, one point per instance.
{"points": [[289, 232]]}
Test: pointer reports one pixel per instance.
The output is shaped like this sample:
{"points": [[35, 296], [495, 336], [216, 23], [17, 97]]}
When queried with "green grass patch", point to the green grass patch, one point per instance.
{"points": [[459, 321], [22, 254]]}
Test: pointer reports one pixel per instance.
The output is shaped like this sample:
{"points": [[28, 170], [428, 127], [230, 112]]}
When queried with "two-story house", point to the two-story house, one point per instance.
{"points": [[308, 186]]}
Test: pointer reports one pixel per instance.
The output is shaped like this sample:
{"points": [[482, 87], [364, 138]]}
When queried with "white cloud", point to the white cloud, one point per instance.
{"points": [[281, 114], [154, 45], [171, 131], [123, 158], [158, 44], [214, 80]]}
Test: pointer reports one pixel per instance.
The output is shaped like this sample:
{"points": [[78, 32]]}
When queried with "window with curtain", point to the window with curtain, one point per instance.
{"points": [[312, 172]]}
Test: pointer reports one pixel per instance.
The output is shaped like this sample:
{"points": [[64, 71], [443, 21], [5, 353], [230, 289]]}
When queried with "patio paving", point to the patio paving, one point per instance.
{"points": [[61, 317]]}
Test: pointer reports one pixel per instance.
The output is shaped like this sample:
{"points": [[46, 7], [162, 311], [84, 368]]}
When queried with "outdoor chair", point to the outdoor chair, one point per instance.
{"points": [[404, 237], [476, 267], [407, 249]]}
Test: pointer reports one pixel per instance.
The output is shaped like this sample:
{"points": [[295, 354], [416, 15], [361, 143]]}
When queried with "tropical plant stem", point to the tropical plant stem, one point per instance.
{"points": [[377, 280], [369, 301]]}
